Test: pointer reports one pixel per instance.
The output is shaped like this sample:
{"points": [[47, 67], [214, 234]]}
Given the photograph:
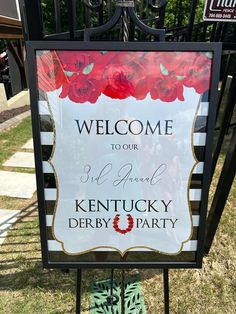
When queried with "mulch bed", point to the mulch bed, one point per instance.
{"points": [[8, 114]]}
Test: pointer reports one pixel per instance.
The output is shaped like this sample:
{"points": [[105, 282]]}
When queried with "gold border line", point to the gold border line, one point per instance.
{"points": [[110, 247], [191, 172], [53, 168]]}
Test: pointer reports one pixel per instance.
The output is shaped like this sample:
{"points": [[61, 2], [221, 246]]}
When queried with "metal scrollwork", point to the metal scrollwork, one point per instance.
{"points": [[160, 4], [88, 32], [125, 9], [125, 3], [143, 27], [125, 23], [93, 5]]}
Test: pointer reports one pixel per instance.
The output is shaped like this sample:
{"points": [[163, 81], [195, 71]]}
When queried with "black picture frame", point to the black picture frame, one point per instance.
{"points": [[32, 47]]}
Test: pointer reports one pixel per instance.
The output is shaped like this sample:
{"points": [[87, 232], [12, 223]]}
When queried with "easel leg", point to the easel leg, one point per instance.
{"points": [[166, 290], [78, 291], [112, 299], [122, 291], [112, 282]]}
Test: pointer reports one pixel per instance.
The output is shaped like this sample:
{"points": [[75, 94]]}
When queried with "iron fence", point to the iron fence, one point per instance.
{"points": [[150, 21]]}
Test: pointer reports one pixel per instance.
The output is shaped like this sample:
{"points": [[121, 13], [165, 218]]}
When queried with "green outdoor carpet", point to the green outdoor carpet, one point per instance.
{"points": [[134, 301]]}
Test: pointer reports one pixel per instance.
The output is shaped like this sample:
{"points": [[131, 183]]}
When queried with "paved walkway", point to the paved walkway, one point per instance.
{"points": [[7, 218], [13, 121], [28, 145], [19, 184], [16, 184], [21, 159]]}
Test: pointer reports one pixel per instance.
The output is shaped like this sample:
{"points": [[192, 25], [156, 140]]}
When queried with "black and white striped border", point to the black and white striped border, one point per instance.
{"points": [[199, 139]]}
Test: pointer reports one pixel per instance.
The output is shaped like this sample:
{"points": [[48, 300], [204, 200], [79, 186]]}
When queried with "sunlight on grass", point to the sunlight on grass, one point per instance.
{"points": [[28, 288], [25, 287], [12, 140]]}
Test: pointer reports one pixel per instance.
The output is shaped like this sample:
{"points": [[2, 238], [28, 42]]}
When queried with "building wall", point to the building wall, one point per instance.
{"points": [[9, 8]]}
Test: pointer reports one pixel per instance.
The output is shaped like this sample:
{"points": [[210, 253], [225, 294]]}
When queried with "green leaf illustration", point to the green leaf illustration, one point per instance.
{"points": [[96, 297], [180, 77], [68, 73], [164, 70], [128, 304], [209, 54], [134, 301], [88, 69]]}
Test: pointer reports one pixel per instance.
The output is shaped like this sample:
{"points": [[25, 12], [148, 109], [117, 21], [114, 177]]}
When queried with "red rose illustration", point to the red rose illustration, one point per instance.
{"points": [[197, 75], [138, 78], [125, 230], [166, 88], [50, 73], [116, 83], [102, 59], [125, 57], [164, 83], [80, 89], [121, 74], [176, 62], [125, 76], [74, 61]]}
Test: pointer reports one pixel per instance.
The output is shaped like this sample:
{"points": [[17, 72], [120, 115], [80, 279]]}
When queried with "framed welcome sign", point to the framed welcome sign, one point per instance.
{"points": [[122, 137]]}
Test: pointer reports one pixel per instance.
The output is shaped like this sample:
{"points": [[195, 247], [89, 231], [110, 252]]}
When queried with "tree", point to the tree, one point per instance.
{"points": [[48, 13], [177, 13]]}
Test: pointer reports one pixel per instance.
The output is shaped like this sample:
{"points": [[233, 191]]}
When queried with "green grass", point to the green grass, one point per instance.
{"points": [[27, 288], [12, 140]]}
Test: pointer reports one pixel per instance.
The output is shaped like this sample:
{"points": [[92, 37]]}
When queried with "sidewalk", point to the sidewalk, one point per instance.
{"points": [[16, 184]]}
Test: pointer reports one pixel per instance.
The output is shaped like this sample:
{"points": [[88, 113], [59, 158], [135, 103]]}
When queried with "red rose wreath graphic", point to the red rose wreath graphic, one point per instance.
{"points": [[84, 75], [118, 229]]}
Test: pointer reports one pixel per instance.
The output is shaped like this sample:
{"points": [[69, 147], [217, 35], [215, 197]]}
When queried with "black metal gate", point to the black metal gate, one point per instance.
{"points": [[149, 20]]}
